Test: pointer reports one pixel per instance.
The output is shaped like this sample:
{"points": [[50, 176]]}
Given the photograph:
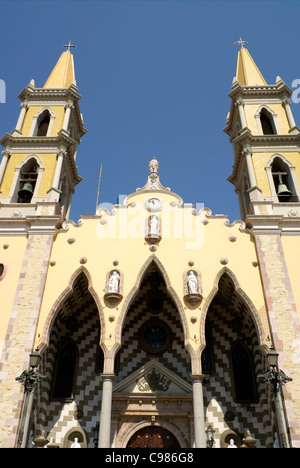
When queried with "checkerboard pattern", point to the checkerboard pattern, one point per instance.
{"points": [[78, 320]]}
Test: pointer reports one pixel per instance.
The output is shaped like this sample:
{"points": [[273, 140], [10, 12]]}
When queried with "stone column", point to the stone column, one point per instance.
{"points": [[24, 107], [105, 416], [54, 192], [68, 107], [5, 157], [240, 105], [198, 405], [287, 107]]}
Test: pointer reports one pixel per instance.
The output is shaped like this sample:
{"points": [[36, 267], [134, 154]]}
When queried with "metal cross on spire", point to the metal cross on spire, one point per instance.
{"points": [[241, 43], [69, 46]]}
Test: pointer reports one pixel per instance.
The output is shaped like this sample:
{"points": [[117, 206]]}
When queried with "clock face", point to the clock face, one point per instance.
{"points": [[153, 204]]}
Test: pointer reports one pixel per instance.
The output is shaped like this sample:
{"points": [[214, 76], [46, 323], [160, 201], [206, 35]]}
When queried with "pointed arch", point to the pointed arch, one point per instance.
{"points": [[31, 160], [44, 342], [267, 121], [37, 120], [246, 300], [150, 261], [291, 177]]}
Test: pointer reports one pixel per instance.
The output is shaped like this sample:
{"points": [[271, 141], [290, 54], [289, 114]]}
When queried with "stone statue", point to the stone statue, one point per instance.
{"points": [[231, 444], [153, 165], [192, 283], [114, 281], [153, 225], [75, 444]]}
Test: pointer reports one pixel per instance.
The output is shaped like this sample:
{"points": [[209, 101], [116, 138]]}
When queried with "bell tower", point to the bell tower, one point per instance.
{"points": [[38, 171], [265, 140]]}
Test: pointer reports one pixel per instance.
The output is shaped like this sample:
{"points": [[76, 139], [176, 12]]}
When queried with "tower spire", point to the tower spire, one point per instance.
{"points": [[63, 74], [247, 72]]}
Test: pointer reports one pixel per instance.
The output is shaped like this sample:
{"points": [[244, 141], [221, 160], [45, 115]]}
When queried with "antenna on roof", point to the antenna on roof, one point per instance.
{"points": [[99, 186]]}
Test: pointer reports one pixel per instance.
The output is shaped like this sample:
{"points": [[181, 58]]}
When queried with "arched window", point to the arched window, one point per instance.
{"points": [[243, 374], [65, 370], [27, 181], [267, 123], [43, 123]]}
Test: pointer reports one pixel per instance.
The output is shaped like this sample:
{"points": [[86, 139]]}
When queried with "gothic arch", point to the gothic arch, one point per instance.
{"points": [[37, 116], [291, 170], [44, 343], [247, 301], [18, 170], [272, 117], [119, 327]]}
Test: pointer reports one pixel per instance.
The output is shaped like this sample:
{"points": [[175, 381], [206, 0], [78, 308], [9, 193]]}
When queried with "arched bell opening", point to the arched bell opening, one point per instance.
{"points": [[231, 360], [72, 362], [27, 181]]}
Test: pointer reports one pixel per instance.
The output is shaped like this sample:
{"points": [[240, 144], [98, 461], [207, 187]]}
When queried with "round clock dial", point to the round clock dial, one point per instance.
{"points": [[153, 204]]}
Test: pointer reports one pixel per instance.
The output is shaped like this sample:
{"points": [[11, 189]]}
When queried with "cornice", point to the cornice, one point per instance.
{"points": [[52, 144], [32, 94]]}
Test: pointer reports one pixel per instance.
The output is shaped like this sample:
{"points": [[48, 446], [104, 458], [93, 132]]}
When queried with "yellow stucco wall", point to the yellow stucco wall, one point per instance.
{"points": [[98, 244], [49, 162], [260, 161], [251, 109], [58, 111]]}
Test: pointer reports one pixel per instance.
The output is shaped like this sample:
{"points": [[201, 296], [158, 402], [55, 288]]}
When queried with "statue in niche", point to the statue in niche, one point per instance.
{"points": [[75, 444], [231, 444], [192, 283], [114, 282], [153, 225]]}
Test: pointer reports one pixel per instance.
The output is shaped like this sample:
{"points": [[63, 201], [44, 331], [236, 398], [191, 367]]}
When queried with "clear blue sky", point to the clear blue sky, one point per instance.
{"points": [[154, 78]]}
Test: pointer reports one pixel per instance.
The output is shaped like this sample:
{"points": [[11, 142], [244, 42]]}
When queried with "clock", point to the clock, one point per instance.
{"points": [[153, 204]]}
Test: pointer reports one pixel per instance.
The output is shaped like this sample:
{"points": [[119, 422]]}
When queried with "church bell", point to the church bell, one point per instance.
{"points": [[282, 190], [26, 192]]}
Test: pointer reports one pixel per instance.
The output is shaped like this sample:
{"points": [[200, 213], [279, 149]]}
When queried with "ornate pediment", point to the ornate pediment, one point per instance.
{"points": [[153, 377]]}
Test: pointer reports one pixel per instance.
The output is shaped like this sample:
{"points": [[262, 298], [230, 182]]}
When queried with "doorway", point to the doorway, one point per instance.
{"points": [[153, 437]]}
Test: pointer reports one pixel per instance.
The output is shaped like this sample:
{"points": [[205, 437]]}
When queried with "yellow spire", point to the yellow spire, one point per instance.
{"points": [[63, 73], [247, 72]]}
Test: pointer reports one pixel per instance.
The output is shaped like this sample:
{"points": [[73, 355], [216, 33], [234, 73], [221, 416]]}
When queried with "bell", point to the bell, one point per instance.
{"points": [[26, 192], [283, 191]]}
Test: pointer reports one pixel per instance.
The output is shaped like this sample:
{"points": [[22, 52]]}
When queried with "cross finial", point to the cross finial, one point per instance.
{"points": [[69, 45], [241, 43]]}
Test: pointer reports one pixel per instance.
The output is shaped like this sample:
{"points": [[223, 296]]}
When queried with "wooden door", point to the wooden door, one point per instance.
{"points": [[153, 437]]}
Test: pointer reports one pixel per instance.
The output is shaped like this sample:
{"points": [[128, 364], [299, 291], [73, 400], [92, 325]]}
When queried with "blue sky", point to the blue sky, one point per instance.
{"points": [[154, 78]]}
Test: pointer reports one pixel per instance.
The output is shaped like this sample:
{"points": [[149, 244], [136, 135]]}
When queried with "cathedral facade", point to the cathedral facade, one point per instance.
{"points": [[155, 323]]}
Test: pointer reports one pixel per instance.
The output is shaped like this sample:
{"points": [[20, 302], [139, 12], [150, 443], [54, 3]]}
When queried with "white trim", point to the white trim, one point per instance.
{"points": [[14, 187], [33, 129], [274, 120], [292, 173]]}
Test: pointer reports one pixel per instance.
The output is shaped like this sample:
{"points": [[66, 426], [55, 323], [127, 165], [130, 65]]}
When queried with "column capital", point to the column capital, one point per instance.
{"points": [[6, 153], [110, 377], [197, 377]]}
